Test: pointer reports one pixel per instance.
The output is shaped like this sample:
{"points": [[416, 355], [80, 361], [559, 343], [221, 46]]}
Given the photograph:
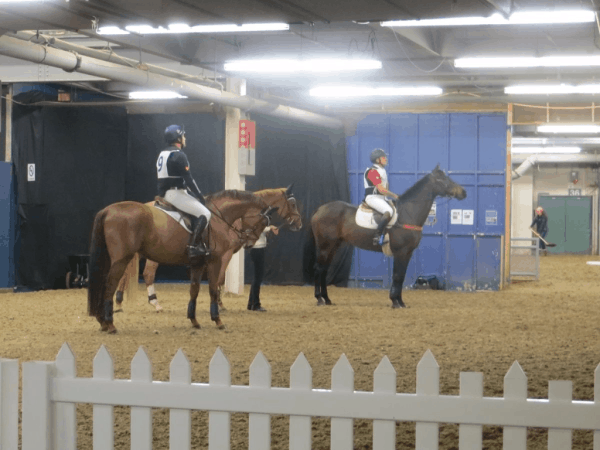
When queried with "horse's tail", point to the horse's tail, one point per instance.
{"points": [[309, 257], [99, 267]]}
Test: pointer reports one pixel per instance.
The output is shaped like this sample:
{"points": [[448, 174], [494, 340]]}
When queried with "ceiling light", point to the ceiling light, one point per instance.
{"points": [[180, 28], [553, 89], [144, 95], [545, 150], [356, 91], [568, 128], [306, 65], [518, 18], [520, 61]]}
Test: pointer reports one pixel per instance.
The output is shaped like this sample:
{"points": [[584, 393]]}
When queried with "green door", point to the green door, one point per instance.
{"points": [[569, 223]]}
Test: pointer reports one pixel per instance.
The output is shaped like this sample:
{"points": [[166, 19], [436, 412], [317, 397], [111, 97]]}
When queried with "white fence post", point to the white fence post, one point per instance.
{"points": [[37, 408], [470, 437], [515, 389], [9, 404], [342, 430], [65, 414], [561, 393], [428, 383], [259, 433], [141, 417], [300, 426], [180, 421], [384, 384], [219, 422], [597, 402], [103, 420]]}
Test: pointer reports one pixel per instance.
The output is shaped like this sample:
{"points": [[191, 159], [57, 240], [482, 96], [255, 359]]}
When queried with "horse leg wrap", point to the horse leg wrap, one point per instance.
{"points": [[119, 297], [108, 311], [151, 297], [191, 310], [214, 311]]}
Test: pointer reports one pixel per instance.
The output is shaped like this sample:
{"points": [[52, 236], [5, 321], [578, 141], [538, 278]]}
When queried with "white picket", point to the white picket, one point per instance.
{"points": [[300, 426], [9, 404], [141, 417], [470, 437], [560, 393], [180, 420], [36, 426], [428, 383], [597, 402], [219, 422], [515, 389], [259, 433], [103, 415], [342, 430], [384, 384], [65, 436]]}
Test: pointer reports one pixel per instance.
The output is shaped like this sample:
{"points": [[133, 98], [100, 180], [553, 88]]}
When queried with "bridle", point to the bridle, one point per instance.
{"points": [[292, 215], [249, 234]]}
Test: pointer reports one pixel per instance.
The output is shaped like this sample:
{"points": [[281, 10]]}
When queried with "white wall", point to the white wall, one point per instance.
{"points": [[551, 179]]}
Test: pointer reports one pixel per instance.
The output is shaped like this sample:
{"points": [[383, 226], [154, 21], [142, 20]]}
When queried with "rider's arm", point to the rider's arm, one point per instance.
{"points": [[374, 177], [181, 167]]}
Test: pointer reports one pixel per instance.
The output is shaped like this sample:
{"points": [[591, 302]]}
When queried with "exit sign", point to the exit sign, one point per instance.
{"points": [[575, 192]]}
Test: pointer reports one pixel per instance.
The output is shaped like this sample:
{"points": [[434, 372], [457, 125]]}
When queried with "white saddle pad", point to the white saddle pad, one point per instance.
{"points": [[177, 216], [364, 218]]}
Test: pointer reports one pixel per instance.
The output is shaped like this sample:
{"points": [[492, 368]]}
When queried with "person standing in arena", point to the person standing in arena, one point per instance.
{"points": [[541, 222], [177, 186], [257, 255], [376, 189]]}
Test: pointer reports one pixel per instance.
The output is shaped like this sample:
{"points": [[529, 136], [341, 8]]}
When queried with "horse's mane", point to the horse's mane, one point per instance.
{"points": [[414, 189], [266, 192], [236, 194]]}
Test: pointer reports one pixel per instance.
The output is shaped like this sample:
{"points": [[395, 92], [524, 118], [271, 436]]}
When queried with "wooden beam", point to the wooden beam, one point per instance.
{"points": [[508, 203]]}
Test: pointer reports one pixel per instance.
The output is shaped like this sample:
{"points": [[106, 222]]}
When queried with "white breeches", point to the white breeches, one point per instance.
{"points": [[378, 203], [185, 202]]}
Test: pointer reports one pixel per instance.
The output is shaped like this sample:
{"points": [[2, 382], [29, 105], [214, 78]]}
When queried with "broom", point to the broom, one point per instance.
{"points": [[548, 244]]}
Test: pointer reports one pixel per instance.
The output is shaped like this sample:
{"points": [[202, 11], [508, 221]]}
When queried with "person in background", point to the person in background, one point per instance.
{"points": [[541, 223], [257, 255]]}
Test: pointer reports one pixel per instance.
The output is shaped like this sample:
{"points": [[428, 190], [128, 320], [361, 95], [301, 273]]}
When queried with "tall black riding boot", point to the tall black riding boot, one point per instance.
{"points": [[379, 235], [196, 248]]}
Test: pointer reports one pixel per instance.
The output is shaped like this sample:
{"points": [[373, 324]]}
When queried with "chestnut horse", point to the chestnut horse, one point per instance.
{"points": [[280, 198], [123, 229], [334, 223]]}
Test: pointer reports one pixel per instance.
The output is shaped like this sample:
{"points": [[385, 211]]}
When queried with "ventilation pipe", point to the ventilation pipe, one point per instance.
{"points": [[531, 160], [74, 62]]}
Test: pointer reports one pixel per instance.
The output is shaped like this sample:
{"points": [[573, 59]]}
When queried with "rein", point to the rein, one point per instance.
{"points": [[242, 235]]}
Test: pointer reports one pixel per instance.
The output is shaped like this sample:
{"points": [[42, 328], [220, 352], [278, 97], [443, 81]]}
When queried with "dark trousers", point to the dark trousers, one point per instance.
{"points": [[542, 245], [257, 255]]}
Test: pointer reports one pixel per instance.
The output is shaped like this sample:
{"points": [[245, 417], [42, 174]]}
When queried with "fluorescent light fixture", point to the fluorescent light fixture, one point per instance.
{"points": [[545, 150], [518, 18], [179, 28], [524, 61], [357, 91], [144, 95], [553, 89], [307, 65], [568, 128]]}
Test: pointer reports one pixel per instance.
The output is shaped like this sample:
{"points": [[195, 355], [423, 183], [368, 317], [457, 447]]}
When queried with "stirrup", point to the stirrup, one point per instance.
{"points": [[381, 239], [197, 251]]}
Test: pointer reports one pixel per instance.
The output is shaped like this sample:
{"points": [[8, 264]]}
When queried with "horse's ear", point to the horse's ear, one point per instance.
{"points": [[437, 167], [288, 191]]}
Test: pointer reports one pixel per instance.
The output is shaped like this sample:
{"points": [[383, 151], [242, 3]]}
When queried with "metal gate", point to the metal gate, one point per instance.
{"points": [[462, 241]]}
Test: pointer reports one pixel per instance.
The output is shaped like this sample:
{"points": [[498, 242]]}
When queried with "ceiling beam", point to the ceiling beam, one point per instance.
{"points": [[504, 7]]}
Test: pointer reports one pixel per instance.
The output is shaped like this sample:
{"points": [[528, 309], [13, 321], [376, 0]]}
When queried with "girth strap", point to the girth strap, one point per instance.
{"points": [[412, 227]]}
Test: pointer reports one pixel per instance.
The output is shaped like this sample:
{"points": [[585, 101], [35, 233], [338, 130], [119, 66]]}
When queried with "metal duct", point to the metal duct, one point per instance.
{"points": [[529, 161], [71, 61]]}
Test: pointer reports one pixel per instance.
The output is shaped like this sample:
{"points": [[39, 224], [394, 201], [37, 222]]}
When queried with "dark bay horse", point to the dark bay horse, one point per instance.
{"points": [[282, 199], [123, 229], [334, 223]]}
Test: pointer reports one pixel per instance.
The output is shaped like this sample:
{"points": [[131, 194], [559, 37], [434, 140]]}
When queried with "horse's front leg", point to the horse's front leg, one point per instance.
{"points": [[214, 268], [321, 285], [149, 277], [399, 273], [195, 277], [222, 272]]}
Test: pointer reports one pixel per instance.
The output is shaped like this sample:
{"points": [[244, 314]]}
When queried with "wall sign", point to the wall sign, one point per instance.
{"points": [[491, 217], [456, 217], [30, 172], [575, 192]]}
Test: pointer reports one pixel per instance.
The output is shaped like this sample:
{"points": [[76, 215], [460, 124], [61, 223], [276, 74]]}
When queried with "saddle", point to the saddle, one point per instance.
{"points": [[368, 217], [184, 219]]}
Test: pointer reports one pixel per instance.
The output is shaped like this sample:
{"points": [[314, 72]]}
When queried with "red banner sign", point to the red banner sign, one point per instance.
{"points": [[247, 134]]}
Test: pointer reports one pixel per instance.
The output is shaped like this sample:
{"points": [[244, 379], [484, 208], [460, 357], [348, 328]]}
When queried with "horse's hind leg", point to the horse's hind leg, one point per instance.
{"points": [[321, 285], [115, 273], [196, 277], [123, 283], [149, 277]]}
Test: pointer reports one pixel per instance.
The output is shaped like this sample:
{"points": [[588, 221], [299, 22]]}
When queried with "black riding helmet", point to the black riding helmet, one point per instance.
{"points": [[173, 133], [377, 153]]}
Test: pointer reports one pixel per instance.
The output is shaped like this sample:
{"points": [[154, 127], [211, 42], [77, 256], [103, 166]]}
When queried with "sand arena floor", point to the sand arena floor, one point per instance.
{"points": [[551, 327]]}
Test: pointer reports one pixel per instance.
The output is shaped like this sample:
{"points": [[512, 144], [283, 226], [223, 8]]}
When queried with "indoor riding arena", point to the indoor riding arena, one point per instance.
{"points": [[299, 318]]}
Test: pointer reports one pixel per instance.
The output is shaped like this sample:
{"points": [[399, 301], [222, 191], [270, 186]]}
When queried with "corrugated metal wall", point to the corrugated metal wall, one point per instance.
{"points": [[463, 253]]}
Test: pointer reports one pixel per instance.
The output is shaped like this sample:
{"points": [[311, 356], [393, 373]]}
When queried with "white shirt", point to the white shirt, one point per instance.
{"points": [[262, 240]]}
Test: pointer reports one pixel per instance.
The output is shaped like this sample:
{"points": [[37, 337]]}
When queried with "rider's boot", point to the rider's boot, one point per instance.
{"points": [[196, 248], [380, 234]]}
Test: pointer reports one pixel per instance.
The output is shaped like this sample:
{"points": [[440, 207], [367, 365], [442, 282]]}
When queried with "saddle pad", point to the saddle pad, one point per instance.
{"points": [[364, 218], [175, 215]]}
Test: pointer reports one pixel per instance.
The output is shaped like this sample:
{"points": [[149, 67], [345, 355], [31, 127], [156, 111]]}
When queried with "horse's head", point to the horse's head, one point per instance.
{"points": [[444, 186], [288, 210]]}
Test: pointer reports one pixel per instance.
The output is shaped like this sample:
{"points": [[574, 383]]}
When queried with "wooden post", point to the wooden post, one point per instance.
{"points": [[508, 203], [8, 124], [234, 277]]}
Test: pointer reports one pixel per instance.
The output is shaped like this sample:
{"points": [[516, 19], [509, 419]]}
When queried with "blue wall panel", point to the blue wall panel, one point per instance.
{"points": [[472, 149], [7, 226]]}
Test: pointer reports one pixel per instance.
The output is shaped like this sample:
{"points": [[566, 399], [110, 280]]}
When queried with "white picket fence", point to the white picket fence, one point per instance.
{"points": [[51, 391]]}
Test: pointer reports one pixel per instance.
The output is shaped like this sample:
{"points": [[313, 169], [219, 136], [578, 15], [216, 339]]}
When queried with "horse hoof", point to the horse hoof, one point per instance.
{"points": [[112, 329], [221, 309], [222, 327], [195, 324], [159, 309], [118, 310], [320, 301], [328, 303], [398, 304]]}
